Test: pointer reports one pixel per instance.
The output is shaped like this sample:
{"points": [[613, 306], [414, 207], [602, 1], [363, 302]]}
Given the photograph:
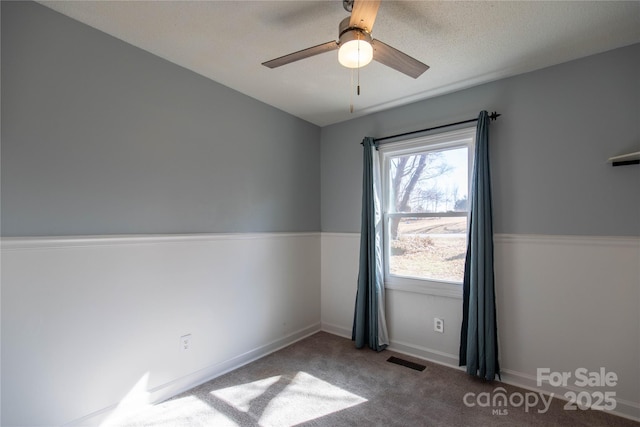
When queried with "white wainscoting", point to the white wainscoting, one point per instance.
{"points": [[564, 302], [88, 320], [90, 323]]}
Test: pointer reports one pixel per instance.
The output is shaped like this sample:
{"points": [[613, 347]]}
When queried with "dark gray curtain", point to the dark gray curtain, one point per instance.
{"points": [[479, 336], [369, 324]]}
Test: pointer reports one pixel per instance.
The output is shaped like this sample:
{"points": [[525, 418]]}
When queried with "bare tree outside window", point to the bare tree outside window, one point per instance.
{"points": [[411, 189]]}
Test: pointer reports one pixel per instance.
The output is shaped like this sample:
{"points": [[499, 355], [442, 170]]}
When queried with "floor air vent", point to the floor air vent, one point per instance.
{"points": [[398, 361]]}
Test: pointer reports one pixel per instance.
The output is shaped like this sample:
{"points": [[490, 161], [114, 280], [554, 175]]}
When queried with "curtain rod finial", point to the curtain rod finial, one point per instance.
{"points": [[494, 115]]}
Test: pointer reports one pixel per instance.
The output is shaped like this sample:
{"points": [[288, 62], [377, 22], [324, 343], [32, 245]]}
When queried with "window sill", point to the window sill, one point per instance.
{"points": [[428, 288]]}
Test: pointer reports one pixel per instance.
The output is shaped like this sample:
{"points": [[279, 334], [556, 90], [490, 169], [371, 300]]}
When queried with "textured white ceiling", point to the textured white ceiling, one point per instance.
{"points": [[464, 43]]}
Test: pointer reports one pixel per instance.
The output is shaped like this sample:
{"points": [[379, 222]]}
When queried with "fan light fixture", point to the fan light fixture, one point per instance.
{"points": [[355, 46], [355, 53]]}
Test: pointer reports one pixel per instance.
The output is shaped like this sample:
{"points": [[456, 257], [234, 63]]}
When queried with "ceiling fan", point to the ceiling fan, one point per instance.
{"points": [[356, 46]]}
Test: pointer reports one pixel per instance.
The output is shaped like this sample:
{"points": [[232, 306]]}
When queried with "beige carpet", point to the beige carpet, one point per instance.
{"points": [[324, 381]]}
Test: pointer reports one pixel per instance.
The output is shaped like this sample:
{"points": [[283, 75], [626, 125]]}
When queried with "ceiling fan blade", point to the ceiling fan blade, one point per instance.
{"points": [[399, 61], [301, 54], [364, 14]]}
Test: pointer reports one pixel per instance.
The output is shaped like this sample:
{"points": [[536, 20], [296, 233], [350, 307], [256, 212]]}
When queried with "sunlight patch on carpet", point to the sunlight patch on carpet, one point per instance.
{"points": [[241, 396], [286, 401], [186, 411]]}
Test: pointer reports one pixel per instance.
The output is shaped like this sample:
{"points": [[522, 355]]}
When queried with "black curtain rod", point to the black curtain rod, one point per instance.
{"points": [[492, 116]]}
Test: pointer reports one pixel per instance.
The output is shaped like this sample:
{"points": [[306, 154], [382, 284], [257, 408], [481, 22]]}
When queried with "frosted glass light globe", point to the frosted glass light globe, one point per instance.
{"points": [[352, 50]]}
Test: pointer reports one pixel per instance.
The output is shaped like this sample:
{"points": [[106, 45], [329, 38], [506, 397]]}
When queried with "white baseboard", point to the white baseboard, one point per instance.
{"points": [[165, 391], [336, 330]]}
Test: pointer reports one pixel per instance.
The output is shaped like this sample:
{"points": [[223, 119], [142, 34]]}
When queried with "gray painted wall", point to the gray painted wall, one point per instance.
{"points": [[548, 150], [100, 137]]}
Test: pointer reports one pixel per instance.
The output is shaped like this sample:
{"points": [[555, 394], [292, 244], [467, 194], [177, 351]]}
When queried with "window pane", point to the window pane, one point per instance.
{"points": [[433, 181], [428, 248]]}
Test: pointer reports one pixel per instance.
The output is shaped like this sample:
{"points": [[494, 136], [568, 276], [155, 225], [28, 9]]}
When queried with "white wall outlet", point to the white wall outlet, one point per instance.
{"points": [[185, 342], [438, 325]]}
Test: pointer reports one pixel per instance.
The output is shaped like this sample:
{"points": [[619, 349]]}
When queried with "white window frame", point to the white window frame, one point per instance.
{"points": [[445, 140]]}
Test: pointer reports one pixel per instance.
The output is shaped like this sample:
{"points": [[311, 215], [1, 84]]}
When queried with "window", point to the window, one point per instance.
{"points": [[425, 193]]}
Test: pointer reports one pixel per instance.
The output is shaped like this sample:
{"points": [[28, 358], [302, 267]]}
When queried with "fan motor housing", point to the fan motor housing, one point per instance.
{"points": [[348, 33]]}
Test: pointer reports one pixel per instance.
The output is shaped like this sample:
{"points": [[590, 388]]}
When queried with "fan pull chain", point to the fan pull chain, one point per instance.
{"points": [[358, 64], [358, 80], [351, 94]]}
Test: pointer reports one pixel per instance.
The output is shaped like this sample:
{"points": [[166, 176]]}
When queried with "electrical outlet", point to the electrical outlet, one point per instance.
{"points": [[185, 342], [438, 325]]}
